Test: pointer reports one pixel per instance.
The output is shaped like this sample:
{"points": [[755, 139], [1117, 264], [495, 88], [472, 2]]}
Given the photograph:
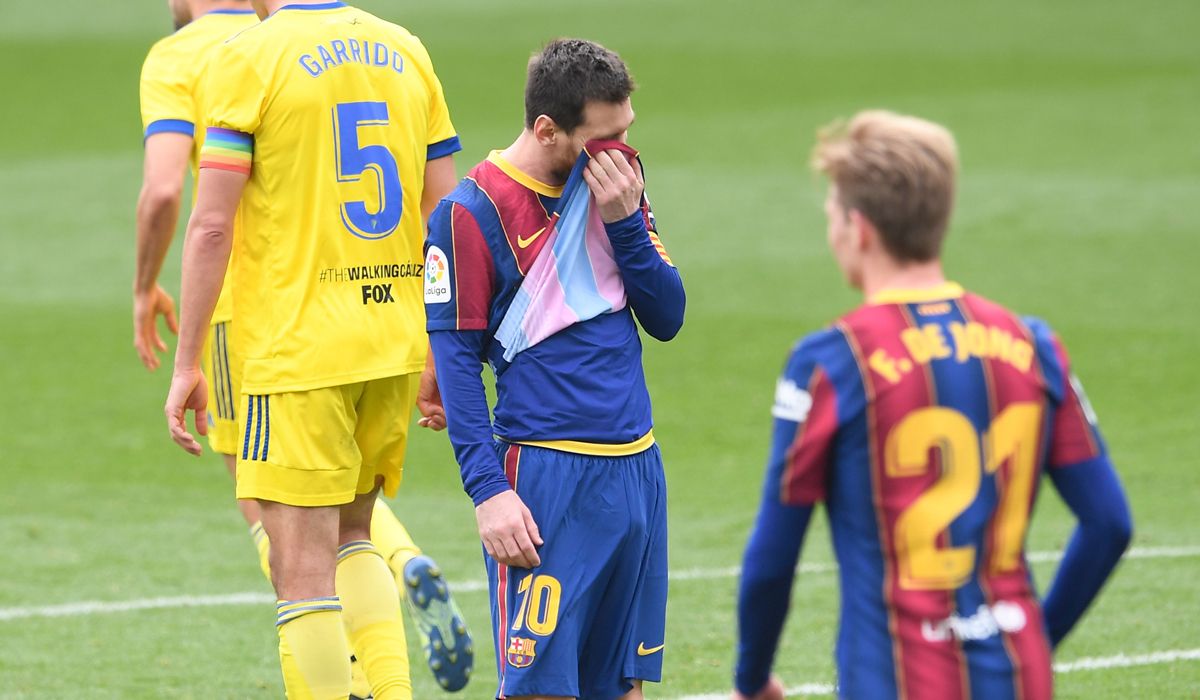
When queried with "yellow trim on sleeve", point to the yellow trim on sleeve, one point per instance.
{"points": [[598, 449], [497, 159], [946, 290]]}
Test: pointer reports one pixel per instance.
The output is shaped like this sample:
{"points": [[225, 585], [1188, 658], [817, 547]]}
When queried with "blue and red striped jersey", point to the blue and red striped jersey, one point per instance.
{"points": [[582, 389], [924, 422]]}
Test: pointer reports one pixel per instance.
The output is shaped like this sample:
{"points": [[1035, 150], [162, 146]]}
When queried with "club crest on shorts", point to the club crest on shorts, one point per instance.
{"points": [[521, 651]]}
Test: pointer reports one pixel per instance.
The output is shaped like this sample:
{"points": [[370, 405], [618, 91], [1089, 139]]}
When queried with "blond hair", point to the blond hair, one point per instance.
{"points": [[899, 172]]}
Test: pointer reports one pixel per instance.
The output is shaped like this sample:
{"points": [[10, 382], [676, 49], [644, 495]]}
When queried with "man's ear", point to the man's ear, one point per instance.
{"points": [[864, 232], [546, 131]]}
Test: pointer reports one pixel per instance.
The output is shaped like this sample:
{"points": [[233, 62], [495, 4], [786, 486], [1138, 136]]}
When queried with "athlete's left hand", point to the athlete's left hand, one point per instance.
{"points": [[429, 401], [616, 184], [773, 690], [189, 392], [147, 306]]}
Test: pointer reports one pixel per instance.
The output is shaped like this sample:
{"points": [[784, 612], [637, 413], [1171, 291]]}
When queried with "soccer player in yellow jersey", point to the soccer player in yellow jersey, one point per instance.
{"points": [[170, 83], [171, 90]]}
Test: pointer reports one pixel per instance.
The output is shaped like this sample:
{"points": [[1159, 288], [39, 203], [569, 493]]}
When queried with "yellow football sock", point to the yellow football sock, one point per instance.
{"points": [[313, 652], [371, 611], [392, 541], [263, 544]]}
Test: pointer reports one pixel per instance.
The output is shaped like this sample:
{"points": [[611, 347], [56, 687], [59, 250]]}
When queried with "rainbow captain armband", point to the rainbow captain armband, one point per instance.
{"points": [[226, 149]]}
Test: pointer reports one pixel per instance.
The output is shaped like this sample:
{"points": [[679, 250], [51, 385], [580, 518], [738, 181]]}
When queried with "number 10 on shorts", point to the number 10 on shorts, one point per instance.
{"points": [[540, 597]]}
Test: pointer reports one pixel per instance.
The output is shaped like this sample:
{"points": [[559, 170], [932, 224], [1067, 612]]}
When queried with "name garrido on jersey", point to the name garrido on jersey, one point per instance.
{"points": [[358, 51], [791, 402]]}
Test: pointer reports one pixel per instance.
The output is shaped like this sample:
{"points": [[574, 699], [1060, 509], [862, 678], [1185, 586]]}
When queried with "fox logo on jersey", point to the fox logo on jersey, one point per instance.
{"points": [[521, 651], [378, 293]]}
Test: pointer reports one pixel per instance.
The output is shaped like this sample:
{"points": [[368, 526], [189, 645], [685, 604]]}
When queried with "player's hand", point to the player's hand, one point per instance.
{"points": [[429, 401], [508, 531], [189, 392], [773, 690], [616, 184], [146, 308]]}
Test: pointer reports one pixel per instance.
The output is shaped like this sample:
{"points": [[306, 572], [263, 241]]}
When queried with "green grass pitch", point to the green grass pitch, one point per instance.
{"points": [[1077, 126]]}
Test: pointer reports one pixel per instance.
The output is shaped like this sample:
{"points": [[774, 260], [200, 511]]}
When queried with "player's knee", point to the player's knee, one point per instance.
{"points": [[354, 518], [355, 525]]}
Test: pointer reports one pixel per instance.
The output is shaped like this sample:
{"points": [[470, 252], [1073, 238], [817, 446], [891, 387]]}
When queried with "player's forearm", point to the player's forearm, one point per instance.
{"points": [[440, 180], [157, 214], [456, 357], [654, 288], [1093, 492], [205, 259], [768, 569]]}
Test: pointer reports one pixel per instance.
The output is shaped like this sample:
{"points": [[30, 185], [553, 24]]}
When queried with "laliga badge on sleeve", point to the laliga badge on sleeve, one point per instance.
{"points": [[437, 276]]}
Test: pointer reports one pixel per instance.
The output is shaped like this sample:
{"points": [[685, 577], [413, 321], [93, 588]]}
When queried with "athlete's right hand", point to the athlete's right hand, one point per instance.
{"points": [[189, 391], [508, 531], [146, 308], [429, 401]]}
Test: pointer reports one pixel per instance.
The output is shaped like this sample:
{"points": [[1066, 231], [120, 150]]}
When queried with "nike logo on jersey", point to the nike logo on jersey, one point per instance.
{"points": [[643, 651], [524, 243]]}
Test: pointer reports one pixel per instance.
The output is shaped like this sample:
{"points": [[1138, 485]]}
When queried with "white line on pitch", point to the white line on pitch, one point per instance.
{"points": [[1086, 664], [1124, 661], [93, 607]]}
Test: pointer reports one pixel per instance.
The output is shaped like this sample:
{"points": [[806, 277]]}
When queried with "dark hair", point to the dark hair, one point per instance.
{"points": [[566, 75]]}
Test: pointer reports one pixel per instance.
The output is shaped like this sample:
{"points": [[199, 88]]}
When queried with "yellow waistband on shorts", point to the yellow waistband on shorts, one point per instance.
{"points": [[599, 449]]}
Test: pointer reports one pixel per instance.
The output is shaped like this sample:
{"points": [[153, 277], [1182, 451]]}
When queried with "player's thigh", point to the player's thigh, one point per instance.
{"points": [[299, 448], [384, 414], [221, 369]]}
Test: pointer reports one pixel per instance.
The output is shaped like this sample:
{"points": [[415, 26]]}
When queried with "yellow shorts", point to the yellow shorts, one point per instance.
{"points": [[322, 447], [223, 372]]}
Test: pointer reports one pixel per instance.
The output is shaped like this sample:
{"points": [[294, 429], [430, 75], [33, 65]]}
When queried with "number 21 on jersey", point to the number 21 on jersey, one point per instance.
{"points": [[965, 456]]}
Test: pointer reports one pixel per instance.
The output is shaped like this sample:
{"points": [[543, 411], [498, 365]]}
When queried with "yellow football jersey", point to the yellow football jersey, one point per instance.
{"points": [[170, 90], [333, 112]]}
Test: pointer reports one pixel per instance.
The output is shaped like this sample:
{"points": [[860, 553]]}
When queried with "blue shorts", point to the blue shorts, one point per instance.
{"points": [[592, 616]]}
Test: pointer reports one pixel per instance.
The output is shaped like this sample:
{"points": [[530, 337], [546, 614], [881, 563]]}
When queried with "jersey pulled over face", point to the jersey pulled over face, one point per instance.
{"points": [[925, 421], [171, 90], [583, 385], [334, 114]]}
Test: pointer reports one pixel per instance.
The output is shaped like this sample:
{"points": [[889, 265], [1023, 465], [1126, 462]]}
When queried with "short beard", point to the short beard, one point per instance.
{"points": [[563, 170], [561, 175]]}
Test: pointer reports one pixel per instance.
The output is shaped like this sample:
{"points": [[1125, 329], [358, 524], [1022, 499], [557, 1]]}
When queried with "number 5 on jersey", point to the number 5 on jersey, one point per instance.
{"points": [[354, 123]]}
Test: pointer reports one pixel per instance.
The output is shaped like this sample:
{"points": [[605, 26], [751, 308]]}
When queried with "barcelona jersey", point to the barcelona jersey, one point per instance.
{"points": [[582, 385], [171, 96], [333, 114], [926, 420]]}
